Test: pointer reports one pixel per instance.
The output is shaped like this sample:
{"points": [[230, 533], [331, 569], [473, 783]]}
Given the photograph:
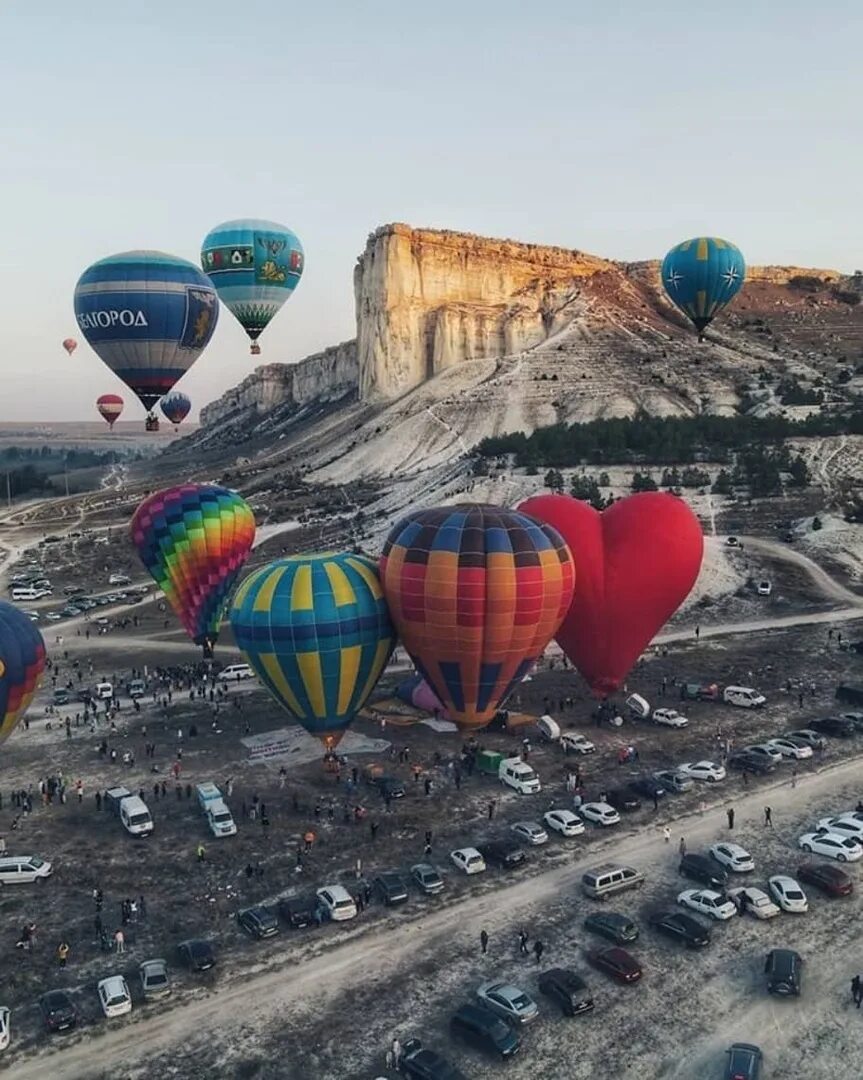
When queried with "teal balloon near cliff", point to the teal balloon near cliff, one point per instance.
{"points": [[254, 267], [702, 275]]}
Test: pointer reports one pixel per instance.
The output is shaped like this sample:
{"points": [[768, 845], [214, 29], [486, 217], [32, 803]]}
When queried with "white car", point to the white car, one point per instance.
{"points": [[114, 996], [788, 894], [669, 717], [708, 902], [834, 845], [571, 742], [765, 588], [235, 672], [5, 1029], [468, 859], [755, 901], [703, 770], [337, 902], [530, 832], [793, 748], [119, 579], [845, 826], [564, 822], [733, 856], [766, 751], [600, 813]]}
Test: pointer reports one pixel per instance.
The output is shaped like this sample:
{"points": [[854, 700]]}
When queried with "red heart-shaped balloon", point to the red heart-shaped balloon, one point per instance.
{"points": [[635, 564]]}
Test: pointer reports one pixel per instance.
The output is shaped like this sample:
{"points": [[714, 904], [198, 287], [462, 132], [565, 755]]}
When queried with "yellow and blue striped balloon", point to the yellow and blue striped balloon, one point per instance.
{"points": [[702, 275], [317, 630]]}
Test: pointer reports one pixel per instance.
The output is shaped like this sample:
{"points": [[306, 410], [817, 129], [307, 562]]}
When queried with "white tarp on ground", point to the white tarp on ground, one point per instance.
{"points": [[295, 746]]}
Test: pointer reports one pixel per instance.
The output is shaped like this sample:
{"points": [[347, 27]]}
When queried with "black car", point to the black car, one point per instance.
{"points": [[648, 786], [58, 1011], [746, 761], [833, 725], [259, 922], [390, 887], [744, 1062], [390, 787], [851, 695], [485, 1030], [427, 878], [681, 927], [567, 989], [703, 869], [621, 799], [298, 911], [829, 879], [61, 696], [503, 853], [608, 924], [197, 955], [417, 1063], [783, 968]]}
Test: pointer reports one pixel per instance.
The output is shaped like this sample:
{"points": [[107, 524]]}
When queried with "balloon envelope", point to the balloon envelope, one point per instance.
{"points": [[110, 407], [637, 562], [148, 316], [417, 692], [701, 276], [175, 406], [255, 267], [22, 661], [476, 593], [70, 345], [317, 631], [193, 540]]}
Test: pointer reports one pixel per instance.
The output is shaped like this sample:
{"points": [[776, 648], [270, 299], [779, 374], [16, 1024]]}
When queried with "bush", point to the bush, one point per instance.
{"points": [[643, 482]]}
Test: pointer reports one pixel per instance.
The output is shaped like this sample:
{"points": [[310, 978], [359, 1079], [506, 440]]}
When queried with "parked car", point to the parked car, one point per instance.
{"points": [[468, 859], [833, 845], [704, 869], [829, 879], [648, 786], [613, 926], [792, 748], [236, 673], [846, 826], [567, 989], [530, 832], [749, 762], [806, 735], [418, 1063], [5, 1026], [506, 854], [427, 878], [765, 750], [390, 887], [600, 813], [856, 718], [833, 725], [673, 780], [298, 911], [573, 743], [154, 979], [669, 718], [485, 1030], [699, 692], [337, 903], [621, 799], [744, 697], [58, 1011], [196, 955], [258, 922], [114, 996], [508, 1001], [708, 902], [784, 968], [24, 869], [765, 588], [733, 856], [755, 901], [744, 1062], [788, 894], [564, 822], [682, 928], [616, 962]]}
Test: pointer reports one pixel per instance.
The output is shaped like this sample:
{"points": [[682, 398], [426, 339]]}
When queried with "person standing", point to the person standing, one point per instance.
{"points": [[538, 949], [119, 941], [682, 845], [483, 942], [768, 816], [62, 953], [729, 813], [666, 833], [856, 990], [522, 942], [201, 852]]}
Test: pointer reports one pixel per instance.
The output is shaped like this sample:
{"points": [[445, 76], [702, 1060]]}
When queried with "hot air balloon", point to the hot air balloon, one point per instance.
{"points": [[148, 316], [317, 631], [701, 276], [476, 593], [255, 266], [176, 407], [22, 661], [193, 540], [110, 406], [70, 345], [637, 562]]}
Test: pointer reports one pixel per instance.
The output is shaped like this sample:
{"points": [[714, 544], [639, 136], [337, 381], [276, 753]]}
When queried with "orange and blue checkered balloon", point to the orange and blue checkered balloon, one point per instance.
{"points": [[22, 661], [194, 540], [317, 631], [476, 593]]}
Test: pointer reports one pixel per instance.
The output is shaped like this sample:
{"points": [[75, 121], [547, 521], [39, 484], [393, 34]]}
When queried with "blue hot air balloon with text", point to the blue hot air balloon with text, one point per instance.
{"points": [[148, 316], [254, 266], [702, 275]]}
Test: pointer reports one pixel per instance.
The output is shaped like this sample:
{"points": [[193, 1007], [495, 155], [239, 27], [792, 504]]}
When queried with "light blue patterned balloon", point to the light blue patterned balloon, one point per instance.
{"points": [[701, 276]]}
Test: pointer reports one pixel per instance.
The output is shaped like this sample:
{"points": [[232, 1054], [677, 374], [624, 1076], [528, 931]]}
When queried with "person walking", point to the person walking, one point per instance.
{"points": [[201, 852], [62, 953], [768, 816], [490, 809], [655, 801], [522, 942], [666, 833], [119, 941], [856, 990], [682, 845], [538, 949], [729, 813], [483, 942], [308, 840]]}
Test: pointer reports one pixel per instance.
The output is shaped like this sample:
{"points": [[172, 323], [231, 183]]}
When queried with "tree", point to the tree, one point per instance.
{"points": [[800, 475], [604, 480], [643, 482], [723, 485], [817, 524], [554, 481]]}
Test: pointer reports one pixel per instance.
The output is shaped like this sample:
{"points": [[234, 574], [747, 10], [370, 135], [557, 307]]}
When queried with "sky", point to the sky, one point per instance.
{"points": [[618, 128]]}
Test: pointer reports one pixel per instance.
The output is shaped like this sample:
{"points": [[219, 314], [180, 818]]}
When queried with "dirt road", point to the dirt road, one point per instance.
{"points": [[820, 578]]}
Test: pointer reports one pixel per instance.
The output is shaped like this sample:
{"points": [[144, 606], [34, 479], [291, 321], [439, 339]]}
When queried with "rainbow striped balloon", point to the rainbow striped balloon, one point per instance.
{"points": [[22, 661], [193, 540]]}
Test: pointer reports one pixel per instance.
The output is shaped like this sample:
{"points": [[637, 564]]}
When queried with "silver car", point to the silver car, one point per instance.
{"points": [[154, 979], [508, 1001], [531, 832]]}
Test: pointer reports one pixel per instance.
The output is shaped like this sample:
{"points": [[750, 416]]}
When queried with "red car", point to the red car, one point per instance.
{"points": [[829, 879], [617, 963]]}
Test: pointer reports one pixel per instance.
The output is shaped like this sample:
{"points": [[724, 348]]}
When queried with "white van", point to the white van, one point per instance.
{"points": [[23, 869], [517, 774], [235, 672], [548, 728], [744, 697], [136, 816], [28, 592], [638, 707], [219, 818], [104, 691]]}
